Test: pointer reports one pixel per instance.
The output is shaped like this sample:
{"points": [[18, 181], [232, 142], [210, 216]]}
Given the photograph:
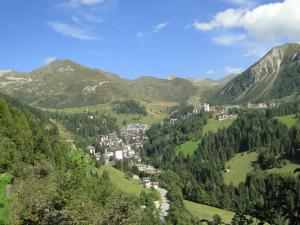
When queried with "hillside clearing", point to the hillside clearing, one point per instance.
{"points": [[207, 212], [5, 210], [157, 112], [188, 148], [240, 166], [122, 181], [289, 120], [214, 125]]}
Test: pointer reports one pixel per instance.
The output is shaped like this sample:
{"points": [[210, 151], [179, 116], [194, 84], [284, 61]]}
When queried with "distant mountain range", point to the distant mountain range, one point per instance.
{"points": [[275, 76], [64, 84]]}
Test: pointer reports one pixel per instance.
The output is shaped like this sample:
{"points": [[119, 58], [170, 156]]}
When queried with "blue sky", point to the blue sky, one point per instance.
{"points": [[186, 38]]}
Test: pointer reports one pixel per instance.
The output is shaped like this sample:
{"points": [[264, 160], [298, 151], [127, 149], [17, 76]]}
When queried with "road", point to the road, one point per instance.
{"points": [[164, 202]]}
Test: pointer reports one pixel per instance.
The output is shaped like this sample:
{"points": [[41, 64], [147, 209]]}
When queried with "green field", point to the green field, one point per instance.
{"points": [[207, 212], [157, 112], [239, 166], [289, 120], [242, 164], [122, 181], [188, 148], [4, 211], [286, 169], [214, 125]]}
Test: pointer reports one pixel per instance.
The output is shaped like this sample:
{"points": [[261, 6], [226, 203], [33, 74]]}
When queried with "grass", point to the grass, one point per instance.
{"points": [[188, 148], [5, 210], [157, 112], [214, 125], [289, 120], [122, 181], [286, 169], [201, 211], [239, 166], [242, 164]]}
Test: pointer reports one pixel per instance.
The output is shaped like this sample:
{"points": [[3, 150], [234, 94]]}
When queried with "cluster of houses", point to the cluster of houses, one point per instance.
{"points": [[135, 134], [263, 105], [147, 169], [147, 183], [124, 146]]}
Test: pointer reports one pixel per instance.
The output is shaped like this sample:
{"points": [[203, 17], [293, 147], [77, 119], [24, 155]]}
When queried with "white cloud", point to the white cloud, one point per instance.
{"points": [[72, 31], [140, 34], [242, 2], [160, 27], [49, 60], [229, 39], [212, 72], [268, 22], [84, 2], [232, 70]]}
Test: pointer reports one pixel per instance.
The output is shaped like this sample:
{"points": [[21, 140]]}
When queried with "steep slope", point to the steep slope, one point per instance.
{"points": [[275, 76]]}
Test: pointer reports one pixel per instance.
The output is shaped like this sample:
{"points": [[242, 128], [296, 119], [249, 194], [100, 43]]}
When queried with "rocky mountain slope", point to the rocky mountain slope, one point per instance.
{"points": [[275, 76]]}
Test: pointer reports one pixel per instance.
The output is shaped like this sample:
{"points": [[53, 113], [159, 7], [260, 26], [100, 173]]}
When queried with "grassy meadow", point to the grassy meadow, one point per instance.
{"points": [[188, 148], [214, 125], [122, 181], [157, 112], [5, 205], [289, 120], [201, 211]]}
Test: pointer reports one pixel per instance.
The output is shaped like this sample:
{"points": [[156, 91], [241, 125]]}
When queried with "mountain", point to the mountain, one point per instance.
{"points": [[64, 84], [275, 76]]}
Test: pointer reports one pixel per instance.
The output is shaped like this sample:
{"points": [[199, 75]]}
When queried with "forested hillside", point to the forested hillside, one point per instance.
{"points": [[199, 176], [52, 184]]}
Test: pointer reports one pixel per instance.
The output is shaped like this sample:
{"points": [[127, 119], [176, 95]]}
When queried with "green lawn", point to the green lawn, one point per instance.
{"points": [[239, 166], [121, 181], [288, 168], [289, 120], [157, 112], [207, 212], [5, 210], [214, 125], [188, 148]]}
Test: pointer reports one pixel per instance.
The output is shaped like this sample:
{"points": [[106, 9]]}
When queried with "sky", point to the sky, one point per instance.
{"points": [[132, 38]]}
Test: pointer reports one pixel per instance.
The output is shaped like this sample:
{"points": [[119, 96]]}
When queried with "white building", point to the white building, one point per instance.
{"points": [[91, 150], [118, 155], [206, 107]]}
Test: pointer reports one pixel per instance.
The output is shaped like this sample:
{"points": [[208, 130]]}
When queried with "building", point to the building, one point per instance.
{"points": [[173, 121], [146, 182], [223, 116], [91, 150], [155, 185], [206, 107], [118, 155]]}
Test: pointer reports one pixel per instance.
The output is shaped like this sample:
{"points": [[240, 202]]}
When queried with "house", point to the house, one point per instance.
{"points": [[223, 116], [98, 156], [146, 182], [173, 121], [157, 204], [118, 155], [155, 185], [91, 150], [206, 107]]}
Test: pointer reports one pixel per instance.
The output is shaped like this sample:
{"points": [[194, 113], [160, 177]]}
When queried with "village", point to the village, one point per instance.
{"points": [[128, 143]]}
